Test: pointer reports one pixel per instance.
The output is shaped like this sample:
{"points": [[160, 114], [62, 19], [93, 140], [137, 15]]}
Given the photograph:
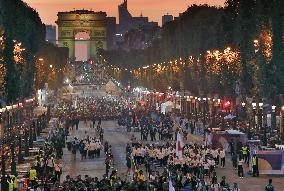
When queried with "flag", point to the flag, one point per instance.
{"points": [[171, 188], [179, 145]]}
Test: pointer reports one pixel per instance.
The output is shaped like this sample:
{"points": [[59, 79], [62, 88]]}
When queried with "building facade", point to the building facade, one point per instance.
{"points": [[50, 34], [74, 22], [167, 18]]}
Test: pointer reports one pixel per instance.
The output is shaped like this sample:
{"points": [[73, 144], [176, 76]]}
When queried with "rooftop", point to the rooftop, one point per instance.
{"points": [[82, 11]]}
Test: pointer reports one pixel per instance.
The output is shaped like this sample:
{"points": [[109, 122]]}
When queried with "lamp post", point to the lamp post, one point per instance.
{"points": [[195, 109], [4, 184], [26, 143], [282, 121], [13, 162], [260, 114], [20, 156], [213, 114], [273, 117], [34, 131], [254, 113], [30, 136], [204, 112]]}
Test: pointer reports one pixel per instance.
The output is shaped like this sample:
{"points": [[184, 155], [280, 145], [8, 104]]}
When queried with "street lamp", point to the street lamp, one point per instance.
{"points": [[20, 156], [282, 120], [260, 113], [243, 104], [254, 108], [273, 117], [204, 111]]}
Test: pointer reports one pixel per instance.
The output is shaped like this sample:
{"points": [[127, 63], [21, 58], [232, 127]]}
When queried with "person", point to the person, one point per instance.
{"points": [[240, 167], [141, 176], [15, 181], [223, 157], [40, 188], [234, 159], [255, 172], [10, 183], [94, 122], [107, 163], [235, 188], [74, 148], [245, 152], [77, 121], [58, 171], [128, 163], [201, 186], [223, 181], [269, 186], [33, 175], [215, 186]]}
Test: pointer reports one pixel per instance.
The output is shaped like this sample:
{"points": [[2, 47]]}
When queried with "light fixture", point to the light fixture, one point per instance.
{"points": [[253, 105], [243, 104], [273, 108], [260, 105]]}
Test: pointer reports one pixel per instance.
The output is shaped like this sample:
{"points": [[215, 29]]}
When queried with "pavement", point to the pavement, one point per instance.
{"points": [[118, 138]]}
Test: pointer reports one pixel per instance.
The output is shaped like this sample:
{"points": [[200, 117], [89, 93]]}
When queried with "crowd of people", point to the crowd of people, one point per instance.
{"points": [[152, 163], [88, 109]]}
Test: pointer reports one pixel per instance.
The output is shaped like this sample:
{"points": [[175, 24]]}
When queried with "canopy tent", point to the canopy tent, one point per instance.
{"points": [[112, 88], [40, 110], [167, 107], [223, 139], [234, 132], [230, 116]]}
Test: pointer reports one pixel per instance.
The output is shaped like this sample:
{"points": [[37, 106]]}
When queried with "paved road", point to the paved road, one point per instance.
{"points": [[96, 167], [118, 139]]}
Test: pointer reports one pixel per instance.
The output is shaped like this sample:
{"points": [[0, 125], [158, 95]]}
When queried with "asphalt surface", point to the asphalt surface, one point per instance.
{"points": [[118, 138]]}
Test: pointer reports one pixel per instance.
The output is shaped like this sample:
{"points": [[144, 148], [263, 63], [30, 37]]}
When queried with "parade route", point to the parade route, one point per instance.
{"points": [[96, 167], [118, 138]]}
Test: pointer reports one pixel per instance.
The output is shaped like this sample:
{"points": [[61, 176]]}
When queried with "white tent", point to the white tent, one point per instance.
{"points": [[234, 132], [167, 107], [40, 110], [111, 87], [230, 116]]}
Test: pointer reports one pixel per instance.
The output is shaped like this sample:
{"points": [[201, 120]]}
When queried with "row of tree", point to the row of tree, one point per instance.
{"points": [[25, 56], [22, 27], [252, 29]]}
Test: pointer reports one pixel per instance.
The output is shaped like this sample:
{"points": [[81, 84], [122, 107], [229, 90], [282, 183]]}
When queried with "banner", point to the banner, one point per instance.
{"points": [[271, 162]]}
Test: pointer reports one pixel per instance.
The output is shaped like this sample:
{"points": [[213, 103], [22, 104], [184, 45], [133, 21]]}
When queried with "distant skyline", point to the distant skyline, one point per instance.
{"points": [[154, 9]]}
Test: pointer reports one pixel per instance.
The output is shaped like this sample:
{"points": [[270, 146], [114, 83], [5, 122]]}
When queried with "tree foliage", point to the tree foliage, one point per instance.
{"points": [[239, 25], [21, 24]]}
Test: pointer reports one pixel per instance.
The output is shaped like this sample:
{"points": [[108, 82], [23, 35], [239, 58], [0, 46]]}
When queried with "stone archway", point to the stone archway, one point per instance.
{"points": [[82, 46], [93, 23]]}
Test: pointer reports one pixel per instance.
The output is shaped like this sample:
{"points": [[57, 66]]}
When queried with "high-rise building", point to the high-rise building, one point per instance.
{"points": [[167, 18], [128, 22], [131, 31], [50, 34], [111, 28]]}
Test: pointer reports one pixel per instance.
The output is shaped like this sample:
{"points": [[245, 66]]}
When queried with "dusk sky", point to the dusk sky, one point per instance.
{"points": [[154, 9]]}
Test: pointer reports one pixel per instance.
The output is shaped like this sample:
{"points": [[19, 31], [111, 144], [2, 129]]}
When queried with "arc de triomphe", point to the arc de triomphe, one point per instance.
{"points": [[73, 22]]}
